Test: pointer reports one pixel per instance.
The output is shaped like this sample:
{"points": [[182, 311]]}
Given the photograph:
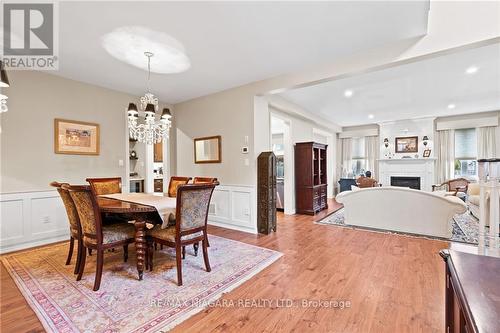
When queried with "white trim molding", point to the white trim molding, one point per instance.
{"points": [[233, 207], [31, 219]]}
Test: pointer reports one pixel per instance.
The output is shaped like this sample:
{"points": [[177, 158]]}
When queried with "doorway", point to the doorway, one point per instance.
{"points": [[281, 146]]}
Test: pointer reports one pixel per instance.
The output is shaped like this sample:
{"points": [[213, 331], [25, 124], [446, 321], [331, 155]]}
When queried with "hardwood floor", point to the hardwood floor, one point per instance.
{"points": [[393, 283]]}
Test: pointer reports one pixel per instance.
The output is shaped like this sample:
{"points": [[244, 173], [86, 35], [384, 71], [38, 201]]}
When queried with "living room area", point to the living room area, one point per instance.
{"points": [[413, 133]]}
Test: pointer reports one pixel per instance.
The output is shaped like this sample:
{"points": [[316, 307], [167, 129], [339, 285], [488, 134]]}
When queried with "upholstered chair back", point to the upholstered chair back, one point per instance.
{"points": [[364, 182], [69, 205], [102, 186], [204, 180], [460, 183], [174, 183], [88, 213], [193, 201]]}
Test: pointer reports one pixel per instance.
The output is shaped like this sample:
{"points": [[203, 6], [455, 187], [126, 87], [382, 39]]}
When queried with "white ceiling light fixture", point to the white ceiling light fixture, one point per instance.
{"points": [[151, 131], [472, 70], [128, 43], [348, 93], [451, 106], [371, 116]]}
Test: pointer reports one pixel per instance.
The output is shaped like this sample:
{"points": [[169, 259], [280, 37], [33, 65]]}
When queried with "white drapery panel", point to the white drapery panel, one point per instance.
{"points": [[345, 146], [486, 142], [445, 153], [372, 152]]}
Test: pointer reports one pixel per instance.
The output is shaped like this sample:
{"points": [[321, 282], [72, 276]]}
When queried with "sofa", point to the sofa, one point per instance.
{"points": [[401, 209], [473, 201]]}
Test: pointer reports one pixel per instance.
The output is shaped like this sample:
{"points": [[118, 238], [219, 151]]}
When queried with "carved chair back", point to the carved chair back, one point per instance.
{"points": [[204, 180], [88, 212], [174, 183], [105, 185], [73, 218]]}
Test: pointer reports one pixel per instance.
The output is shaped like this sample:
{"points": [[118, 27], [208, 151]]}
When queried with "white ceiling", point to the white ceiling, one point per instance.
{"points": [[229, 43], [415, 90]]}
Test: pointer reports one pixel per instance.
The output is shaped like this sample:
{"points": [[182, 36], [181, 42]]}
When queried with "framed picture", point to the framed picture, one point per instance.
{"points": [[427, 153], [408, 144], [207, 150], [76, 137]]}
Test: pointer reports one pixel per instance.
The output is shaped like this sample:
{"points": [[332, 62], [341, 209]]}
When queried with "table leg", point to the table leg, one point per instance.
{"points": [[140, 246]]}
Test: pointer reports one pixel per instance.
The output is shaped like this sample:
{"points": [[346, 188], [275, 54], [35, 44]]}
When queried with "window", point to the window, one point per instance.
{"points": [[358, 156], [466, 153]]}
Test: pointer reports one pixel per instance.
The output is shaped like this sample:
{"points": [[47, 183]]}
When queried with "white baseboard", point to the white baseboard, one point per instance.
{"points": [[23, 246]]}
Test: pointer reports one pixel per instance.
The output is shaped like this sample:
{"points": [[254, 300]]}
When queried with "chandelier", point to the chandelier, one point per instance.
{"points": [[151, 130]]}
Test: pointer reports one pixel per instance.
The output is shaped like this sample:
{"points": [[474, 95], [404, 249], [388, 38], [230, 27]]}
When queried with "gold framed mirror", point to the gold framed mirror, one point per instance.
{"points": [[207, 149]]}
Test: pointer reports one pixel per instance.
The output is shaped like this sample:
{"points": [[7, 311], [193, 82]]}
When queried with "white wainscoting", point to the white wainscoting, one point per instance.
{"points": [[30, 219], [233, 207], [36, 218]]}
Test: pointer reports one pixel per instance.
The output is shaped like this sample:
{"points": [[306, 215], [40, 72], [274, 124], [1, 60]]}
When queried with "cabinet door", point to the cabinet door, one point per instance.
{"points": [[158, 152]]}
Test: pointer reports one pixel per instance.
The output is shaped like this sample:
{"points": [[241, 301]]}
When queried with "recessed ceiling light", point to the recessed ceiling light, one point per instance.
{"points": [[129, 43], [451, 106], [348, 93], [471, 70], [370, 116]]}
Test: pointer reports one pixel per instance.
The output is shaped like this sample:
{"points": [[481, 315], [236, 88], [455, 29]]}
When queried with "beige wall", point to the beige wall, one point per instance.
{"points": [[228, 114], [28, 161]]}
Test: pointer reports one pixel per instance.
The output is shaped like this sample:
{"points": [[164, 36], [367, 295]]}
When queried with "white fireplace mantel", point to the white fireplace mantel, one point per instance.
{"points": [[408, 167]]}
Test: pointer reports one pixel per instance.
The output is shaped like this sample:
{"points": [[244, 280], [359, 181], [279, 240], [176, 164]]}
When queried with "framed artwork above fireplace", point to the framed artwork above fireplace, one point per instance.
{"points": [[407, 144]]}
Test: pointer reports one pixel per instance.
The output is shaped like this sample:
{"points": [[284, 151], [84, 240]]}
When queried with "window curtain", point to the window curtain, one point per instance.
{"points": [[372, 153], [486, 142], [445, 152], [345, 157]]}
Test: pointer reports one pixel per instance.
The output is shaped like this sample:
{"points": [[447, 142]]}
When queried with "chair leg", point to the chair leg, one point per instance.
{"points": [[195, 247], [161, 246], [183, 252], [179, 264], [208, 244], [98, 272], [205, 254], [82, 264], [70, 252], [150, 256], [90, 252], [78, 256], [156, 246], [125, 253]]}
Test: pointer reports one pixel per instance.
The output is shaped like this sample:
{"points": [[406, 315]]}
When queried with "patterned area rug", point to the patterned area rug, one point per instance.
{"points": [[465, 226], [123, 303]]}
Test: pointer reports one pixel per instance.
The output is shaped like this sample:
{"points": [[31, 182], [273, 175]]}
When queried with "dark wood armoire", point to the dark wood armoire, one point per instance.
{"points": [[310, 177], [266, 192]]}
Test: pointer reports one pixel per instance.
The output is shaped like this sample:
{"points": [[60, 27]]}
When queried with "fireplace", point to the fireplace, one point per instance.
{"points": [[411, 182]]}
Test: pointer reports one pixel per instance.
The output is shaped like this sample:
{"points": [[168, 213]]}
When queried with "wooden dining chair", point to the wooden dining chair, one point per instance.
{"points": [[74, 224], [101, 186], [190, 224], [204, 180], [96, 235], [174, 183]]}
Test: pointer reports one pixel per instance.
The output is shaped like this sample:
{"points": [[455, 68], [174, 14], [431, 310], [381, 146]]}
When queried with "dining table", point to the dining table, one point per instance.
{"points": [[141, 214]]}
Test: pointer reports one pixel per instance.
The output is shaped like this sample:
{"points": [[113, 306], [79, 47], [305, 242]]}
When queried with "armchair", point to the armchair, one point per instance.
{"points": [[456, 187]]}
